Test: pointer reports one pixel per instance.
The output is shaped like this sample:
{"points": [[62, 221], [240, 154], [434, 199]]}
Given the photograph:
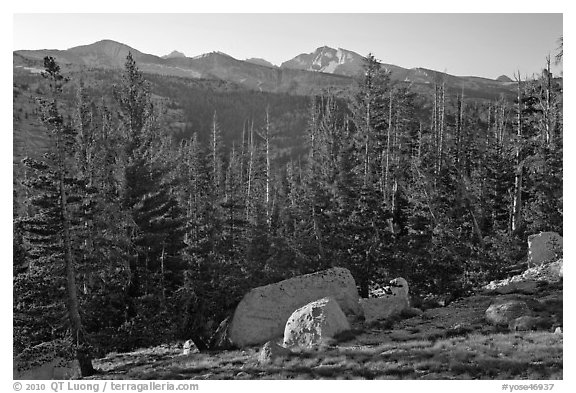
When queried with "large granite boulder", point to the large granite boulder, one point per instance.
{"points": [[544, 247], [49, 360], [263, 312], [504, 313], [391, 302], [314, 323]]}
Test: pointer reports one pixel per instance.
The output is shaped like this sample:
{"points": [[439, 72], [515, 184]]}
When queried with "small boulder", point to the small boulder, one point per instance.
{"points": [[221, 337], [558, 330], [544, 247], [400, 286], [435, 301], [412, 312], [459, 329], [392, 303], [272, 351], [555, 270], [314, 323], [503, 313], [525, 323], [189, 347]]}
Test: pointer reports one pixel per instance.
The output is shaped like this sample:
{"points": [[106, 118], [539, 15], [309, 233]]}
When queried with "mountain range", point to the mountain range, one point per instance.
{"points": [[304, 74]]}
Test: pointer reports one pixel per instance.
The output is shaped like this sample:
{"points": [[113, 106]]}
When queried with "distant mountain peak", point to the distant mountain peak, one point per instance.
{"points": [[174, 54], [106, 41], [105, 53], [103, 44], [259, 61], [329, 60], [212, 54]]}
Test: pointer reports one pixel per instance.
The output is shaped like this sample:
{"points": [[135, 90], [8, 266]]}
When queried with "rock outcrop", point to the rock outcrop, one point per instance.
{"points": [[515, 284], [529, 281], [504, 313], [549, 272], [272, 351], [544, 247], [263, 312], [391, 302], [315, 323]]}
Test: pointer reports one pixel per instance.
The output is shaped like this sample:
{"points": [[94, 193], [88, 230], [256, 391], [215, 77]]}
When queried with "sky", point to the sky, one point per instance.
{"points": [[487, 45]]}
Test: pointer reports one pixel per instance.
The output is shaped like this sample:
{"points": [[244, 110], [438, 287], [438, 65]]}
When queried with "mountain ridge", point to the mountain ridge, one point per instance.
{"points": [[306, 73]]}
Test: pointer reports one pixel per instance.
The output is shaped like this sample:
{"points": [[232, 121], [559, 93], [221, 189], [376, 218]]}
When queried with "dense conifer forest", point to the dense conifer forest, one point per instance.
{"points": [[128, 235]]}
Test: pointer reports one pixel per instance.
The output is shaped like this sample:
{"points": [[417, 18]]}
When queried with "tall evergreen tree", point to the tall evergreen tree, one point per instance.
{"points": [[156, 228], [53, 248]]}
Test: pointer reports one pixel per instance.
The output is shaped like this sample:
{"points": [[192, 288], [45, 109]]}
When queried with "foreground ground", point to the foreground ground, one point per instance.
{"points": [[452, 342]]}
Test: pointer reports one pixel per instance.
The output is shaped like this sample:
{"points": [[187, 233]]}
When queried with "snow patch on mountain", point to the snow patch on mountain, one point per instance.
{"points": [[317, 62], [331, 67], [341, 56]]}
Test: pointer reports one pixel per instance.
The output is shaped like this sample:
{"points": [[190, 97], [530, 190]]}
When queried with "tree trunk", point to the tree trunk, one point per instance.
{"points": [[250, 170], [548, 112], [442, 125], [72, 304], [517, 199], [368, 121], [267, 141], [386, 171]]}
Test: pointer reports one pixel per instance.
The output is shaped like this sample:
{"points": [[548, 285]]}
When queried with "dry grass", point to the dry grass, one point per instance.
{"points": [[446, 343], [535, 355]]}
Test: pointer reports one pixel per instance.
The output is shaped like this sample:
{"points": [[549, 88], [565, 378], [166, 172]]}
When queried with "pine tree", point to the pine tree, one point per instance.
{"points": [[49, 232], [370, 108], [544, 147], [156, 227]]}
